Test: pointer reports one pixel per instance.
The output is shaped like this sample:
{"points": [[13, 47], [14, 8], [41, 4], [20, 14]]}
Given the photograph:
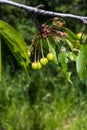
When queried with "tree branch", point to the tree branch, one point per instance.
{"points": [[43, 12]]}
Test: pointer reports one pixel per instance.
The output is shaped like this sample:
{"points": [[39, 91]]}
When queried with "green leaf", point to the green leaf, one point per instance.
{"points": [[68, 76], [71, 56], [54, 49], [15, 42], [71, 34], [0, 60], [64, 61], [81, 62], [72, 40], [71, 45]]}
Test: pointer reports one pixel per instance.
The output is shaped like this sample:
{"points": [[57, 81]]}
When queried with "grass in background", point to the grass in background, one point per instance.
{"points": [[47, 102]]}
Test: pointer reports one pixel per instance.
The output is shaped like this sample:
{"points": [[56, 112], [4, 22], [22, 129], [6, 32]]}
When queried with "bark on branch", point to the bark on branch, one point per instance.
{"points": [[44, 12]]}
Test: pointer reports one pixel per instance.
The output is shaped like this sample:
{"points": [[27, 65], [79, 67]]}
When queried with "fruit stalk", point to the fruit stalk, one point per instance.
{"points": [[42, 49], [48, 44], [35, 53]]}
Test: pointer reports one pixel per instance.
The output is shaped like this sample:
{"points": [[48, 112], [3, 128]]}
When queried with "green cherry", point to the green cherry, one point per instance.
{"points": [[34, 66], [80, 35], [43, 61], [29, 53], [39, 65], [50, 56]]}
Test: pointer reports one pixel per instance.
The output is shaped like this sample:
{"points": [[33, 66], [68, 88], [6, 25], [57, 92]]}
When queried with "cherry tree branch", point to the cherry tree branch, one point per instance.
{"points": [[44, 12]]}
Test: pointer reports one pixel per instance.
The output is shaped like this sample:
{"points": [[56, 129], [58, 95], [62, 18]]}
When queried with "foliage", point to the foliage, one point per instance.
{"points": [[0, 59], [47, 101], [56, 39], [16, 43], [50, 105], [82, 62]]}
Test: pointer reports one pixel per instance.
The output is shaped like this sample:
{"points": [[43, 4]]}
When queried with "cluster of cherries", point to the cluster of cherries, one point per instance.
{"points": [[36, 65], [45, 33]]}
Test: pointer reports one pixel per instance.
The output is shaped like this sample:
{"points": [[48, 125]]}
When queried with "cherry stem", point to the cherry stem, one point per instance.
{"points": [[42, 49], [39, 55], [48, 44], [35, 53]]}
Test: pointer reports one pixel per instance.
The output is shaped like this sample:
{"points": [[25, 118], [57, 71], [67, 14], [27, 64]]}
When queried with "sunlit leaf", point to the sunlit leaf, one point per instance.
{"points": [[64, 61], [73, 41], [54, 48], [68, 76], [70, 44], [71, 56], [71, 34], [81, 62], [15, 42], [0, 59]]}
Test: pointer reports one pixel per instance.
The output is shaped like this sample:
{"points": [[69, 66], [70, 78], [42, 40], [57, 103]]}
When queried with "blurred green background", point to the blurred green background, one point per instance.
{"points": [[46, 101]]}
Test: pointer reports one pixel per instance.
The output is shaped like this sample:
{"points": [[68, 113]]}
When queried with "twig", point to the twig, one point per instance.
{"points": [[44, 12], [35, 19]]}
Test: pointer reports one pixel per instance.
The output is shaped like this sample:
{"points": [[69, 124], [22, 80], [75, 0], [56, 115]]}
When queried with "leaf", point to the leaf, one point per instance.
{"points": [[15, 42], [0, 60], [70, 44], [72, 40], [81, 62], [54, 49], [71, 34], [64, 61], [71, 56], [68, 76]]}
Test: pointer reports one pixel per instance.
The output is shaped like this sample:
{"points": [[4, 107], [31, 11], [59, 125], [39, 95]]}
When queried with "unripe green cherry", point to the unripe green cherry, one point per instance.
{"points": [[50, 56], [80, 35], [39, 65], [29, 53], [34, 66], [43, 61]]}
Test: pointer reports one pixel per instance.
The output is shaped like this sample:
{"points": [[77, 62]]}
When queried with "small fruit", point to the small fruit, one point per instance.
{"points": [[39, 65], [43, 61], [80, 35], [29, 53], [50, 56], [34, 66]]}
